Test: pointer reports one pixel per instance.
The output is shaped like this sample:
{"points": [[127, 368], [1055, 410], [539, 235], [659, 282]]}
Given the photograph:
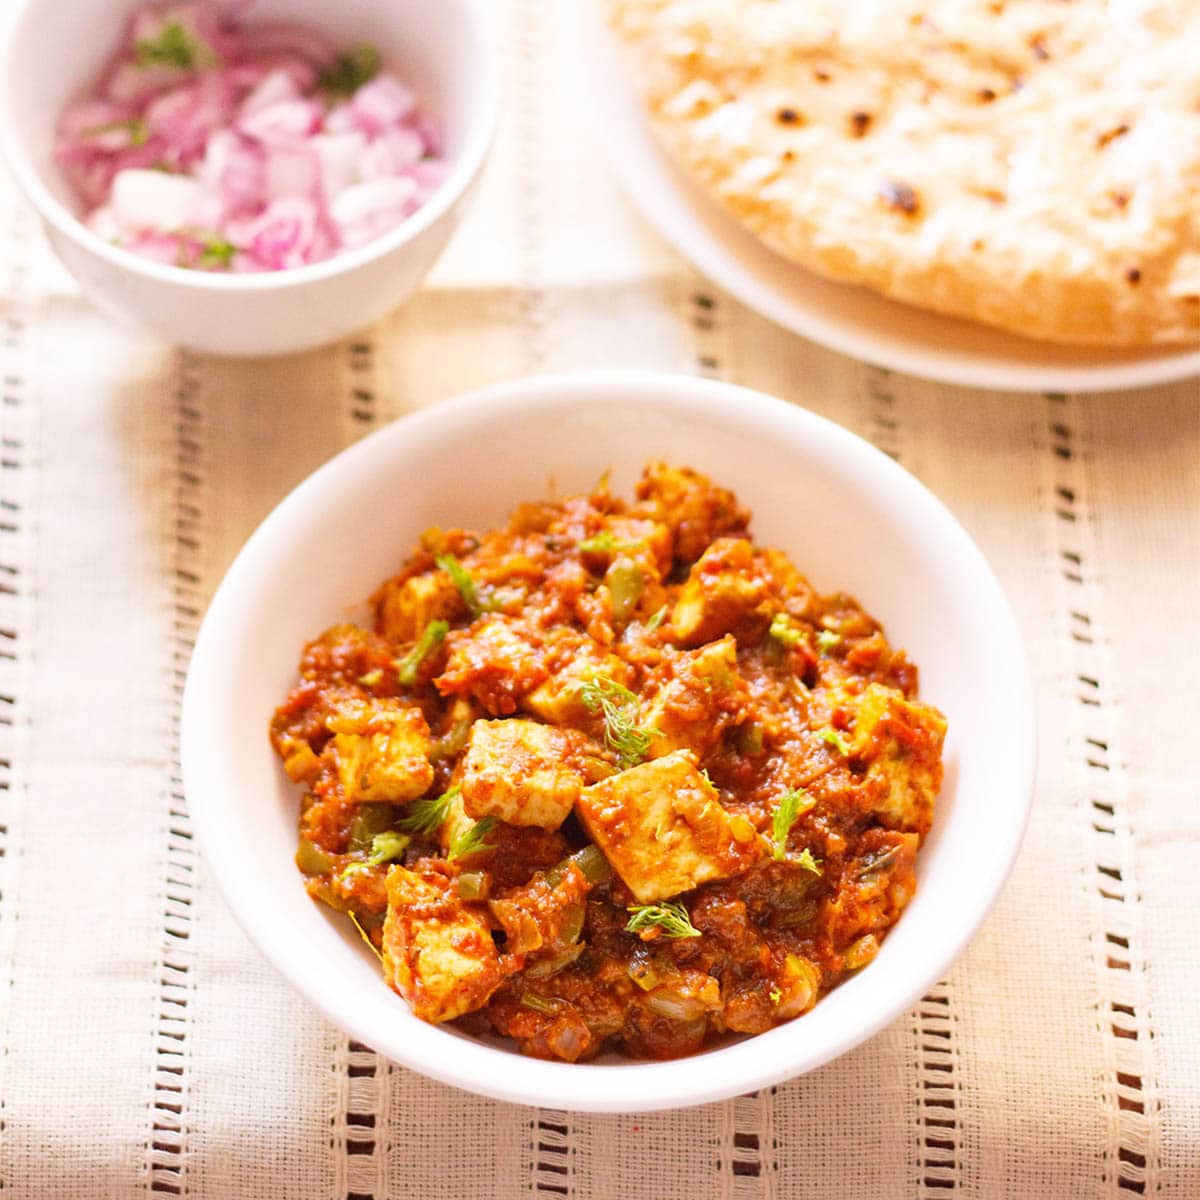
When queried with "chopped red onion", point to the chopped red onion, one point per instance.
{"points": [[221, 146]]}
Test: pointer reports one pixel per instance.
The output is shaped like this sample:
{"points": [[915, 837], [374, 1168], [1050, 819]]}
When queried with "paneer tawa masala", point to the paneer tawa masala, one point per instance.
{"points": [[612, 777]]}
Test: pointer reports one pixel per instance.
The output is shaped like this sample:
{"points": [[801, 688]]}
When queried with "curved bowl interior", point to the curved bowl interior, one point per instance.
{"points": [[850, 518]]}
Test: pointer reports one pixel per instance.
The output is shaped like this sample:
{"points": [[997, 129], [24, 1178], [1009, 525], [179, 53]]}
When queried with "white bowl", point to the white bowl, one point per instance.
{"points": [[52, 51], [851, 519]]}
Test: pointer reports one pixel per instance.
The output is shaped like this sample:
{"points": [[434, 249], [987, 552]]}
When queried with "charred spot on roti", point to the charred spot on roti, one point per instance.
{"points": [[900, 196]]}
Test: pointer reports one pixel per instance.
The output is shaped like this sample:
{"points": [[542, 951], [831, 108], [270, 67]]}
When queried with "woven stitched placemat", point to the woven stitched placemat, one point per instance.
{"points": [[145, 1046]]}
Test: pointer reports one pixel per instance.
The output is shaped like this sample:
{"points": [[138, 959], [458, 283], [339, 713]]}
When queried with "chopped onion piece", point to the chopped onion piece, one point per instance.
{"points": [[215, 144], [363, 200], [154, 200]]}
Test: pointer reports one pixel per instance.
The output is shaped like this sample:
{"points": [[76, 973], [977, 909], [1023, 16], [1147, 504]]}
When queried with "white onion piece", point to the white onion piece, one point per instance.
{"points": [[339, 158], [391, 153], [382, 103], [153, 200], [291, 172], [274, 88], [363, 200], [287, 121]]}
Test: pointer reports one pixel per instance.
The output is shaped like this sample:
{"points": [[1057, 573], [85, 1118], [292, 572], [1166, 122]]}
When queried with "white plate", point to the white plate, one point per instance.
{"points": [[849, 319]]}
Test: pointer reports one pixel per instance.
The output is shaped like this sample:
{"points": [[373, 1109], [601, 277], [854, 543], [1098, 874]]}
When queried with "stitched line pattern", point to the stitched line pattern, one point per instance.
{"points": [[938, 1134], [167, 1147], [747, 1159], [363, 1074], [16, 436], [933, 1020], [883, 426], [747, 1148], [551, 1153], [360, 369], [1123, 1017]]}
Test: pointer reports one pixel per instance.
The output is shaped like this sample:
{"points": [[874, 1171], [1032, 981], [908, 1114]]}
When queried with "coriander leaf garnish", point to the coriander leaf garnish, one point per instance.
{"points": [[371, 678], [605, 543], [831, 737], [175, 46], [216, 253], [426, 817], [350, 71], [472, 840], [783, 629], [463, 581], [792, 805], [387, 846], [827, 639], [431, 638], [362, 933], [619, 707], [138, 130], [672, 918], [656, 620], [809, 863]]}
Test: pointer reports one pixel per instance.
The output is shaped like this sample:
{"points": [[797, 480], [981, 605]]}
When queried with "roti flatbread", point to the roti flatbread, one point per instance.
{"points": [[1032, 164]]}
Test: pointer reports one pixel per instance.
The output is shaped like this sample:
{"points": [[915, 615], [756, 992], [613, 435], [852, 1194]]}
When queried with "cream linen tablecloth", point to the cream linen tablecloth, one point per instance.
{"points": [[147, 1047]]}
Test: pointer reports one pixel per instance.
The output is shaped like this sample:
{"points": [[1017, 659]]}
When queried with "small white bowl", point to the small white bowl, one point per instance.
{"points": [[54, 49], [850, 518]]}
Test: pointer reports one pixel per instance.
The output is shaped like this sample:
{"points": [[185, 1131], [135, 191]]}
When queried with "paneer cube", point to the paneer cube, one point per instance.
{"points": [[646, 541], [691, 710], [722, 588], [404, 608], [497, 661], [663, 829], [381, 749], [691, 506], [558, 700], [516, 770], [901, 741], [438, 953]]}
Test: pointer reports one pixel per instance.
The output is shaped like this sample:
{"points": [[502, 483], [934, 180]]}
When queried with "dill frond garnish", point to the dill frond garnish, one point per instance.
{"points": [[472, 840], [426, 817], [619, 708], [656, 620], [809, 863], [672, 918]]}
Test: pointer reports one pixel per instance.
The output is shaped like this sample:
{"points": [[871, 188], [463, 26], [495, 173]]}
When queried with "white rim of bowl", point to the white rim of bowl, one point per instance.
{"points": [[480, 135], [504, 1074]]}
